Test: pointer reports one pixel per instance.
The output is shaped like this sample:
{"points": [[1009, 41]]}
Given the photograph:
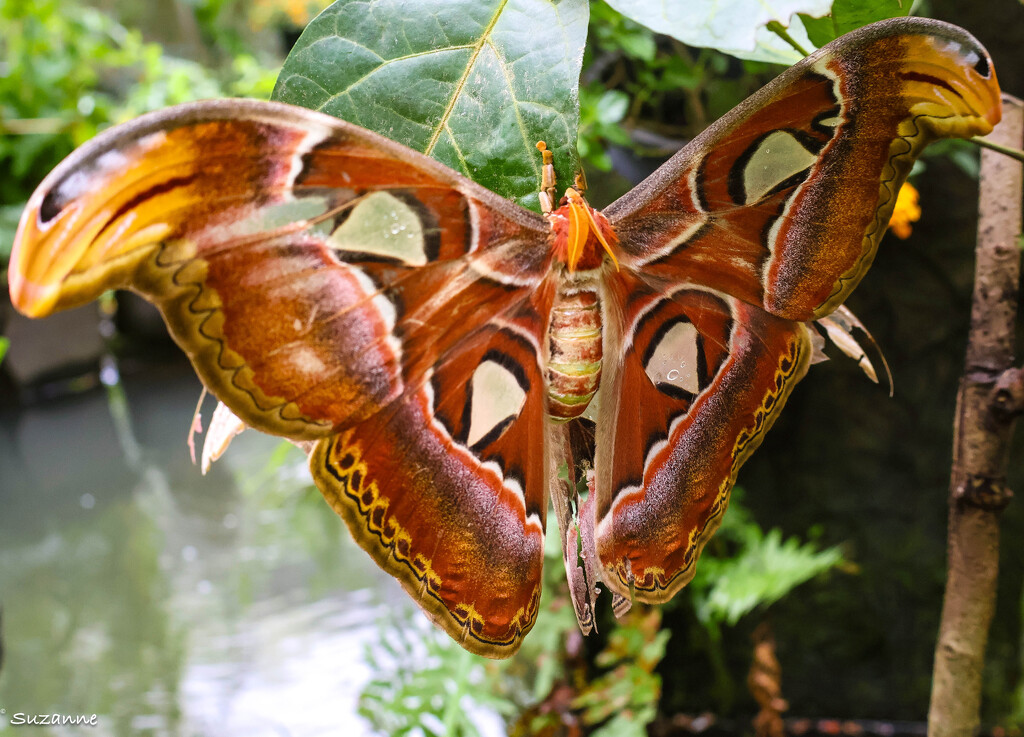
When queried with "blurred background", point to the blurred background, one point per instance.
{"points": [[172, 603]]}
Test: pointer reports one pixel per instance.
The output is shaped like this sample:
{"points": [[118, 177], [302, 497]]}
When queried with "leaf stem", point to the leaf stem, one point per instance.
{"points": [[780, 30], [1013, 153]]}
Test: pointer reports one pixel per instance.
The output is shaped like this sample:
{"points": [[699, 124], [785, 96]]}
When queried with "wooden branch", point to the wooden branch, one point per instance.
{"points": [[991, 396]]}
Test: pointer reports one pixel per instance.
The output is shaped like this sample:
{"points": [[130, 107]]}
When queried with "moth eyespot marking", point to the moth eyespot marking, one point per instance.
{"points": [[831, 122], [496, 398], [773, 161], [674, 362], [980, 64], [50, 207], [383, 225], [90, 175]]}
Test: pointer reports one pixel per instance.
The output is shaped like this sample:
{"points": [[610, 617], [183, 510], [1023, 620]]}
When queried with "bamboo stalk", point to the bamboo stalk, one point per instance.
{"points": [[989, 400]]}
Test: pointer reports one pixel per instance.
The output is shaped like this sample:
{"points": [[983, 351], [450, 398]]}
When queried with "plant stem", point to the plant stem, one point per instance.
{"points": [[780, 30], [982, 434], [1015, 153]]}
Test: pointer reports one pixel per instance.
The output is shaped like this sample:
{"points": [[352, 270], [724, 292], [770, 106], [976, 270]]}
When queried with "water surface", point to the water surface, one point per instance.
{"points": [[166, 602]]}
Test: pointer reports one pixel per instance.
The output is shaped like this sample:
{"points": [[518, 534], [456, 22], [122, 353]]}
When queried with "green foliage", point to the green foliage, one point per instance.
{"points": [[610, 30], [671, 92], [819, 30], [601, 112], [9, 215], [62, 62], [623, 700], [849, 15], [749, 568], [4, 345], [473, 84], [426, 684], [70, 70]]}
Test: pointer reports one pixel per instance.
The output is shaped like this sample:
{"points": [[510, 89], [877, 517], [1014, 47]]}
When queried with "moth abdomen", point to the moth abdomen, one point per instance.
{"points": [[574, 350]]}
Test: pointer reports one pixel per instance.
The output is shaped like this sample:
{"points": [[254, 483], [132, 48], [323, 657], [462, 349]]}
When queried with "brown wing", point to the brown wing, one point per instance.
{"points": [[772, 215], [698, 379], [782, 203], [331, 285]]}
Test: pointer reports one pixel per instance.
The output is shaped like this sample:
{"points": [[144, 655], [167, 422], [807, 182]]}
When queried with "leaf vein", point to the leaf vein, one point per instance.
{"points": [[503, 65], [383, 64], [458, 150], [461, 84]]}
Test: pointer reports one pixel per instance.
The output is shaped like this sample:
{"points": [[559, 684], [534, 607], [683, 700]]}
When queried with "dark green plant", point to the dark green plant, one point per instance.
{"points": [[750, 568], [623, 699], [849, 15]]}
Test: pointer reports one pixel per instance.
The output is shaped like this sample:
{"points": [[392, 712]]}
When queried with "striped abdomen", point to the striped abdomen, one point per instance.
{"points": [[574, 342]]}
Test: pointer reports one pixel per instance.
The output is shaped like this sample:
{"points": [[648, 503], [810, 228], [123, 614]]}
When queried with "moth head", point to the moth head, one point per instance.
{"points": [[585, 225]]}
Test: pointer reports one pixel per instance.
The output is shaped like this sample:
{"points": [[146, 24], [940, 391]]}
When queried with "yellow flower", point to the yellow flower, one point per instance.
{"points": [[905, 212], [299, 12]]}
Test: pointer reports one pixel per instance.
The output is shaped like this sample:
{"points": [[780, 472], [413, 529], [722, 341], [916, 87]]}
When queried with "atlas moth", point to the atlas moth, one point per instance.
{"points": [[435, 345]]}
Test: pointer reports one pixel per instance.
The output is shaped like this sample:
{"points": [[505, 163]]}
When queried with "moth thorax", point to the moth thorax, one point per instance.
{"points": [[574, 347]]}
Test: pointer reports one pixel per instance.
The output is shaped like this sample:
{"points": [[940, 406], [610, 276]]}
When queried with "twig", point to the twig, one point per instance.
{"points": [[986, 410], [1015, 153], [780, 30]]}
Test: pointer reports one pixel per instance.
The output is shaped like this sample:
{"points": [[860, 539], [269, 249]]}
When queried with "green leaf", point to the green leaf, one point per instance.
{"points": [[9, 216], [612, 106], [765, 571], [4, 345], [736, 27], [628, 724], [820, 31], [611, 30], [849, 15], [473, 83]]}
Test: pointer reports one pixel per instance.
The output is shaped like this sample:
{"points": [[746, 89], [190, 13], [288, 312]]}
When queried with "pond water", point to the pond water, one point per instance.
{"points": [[169, 603]]}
